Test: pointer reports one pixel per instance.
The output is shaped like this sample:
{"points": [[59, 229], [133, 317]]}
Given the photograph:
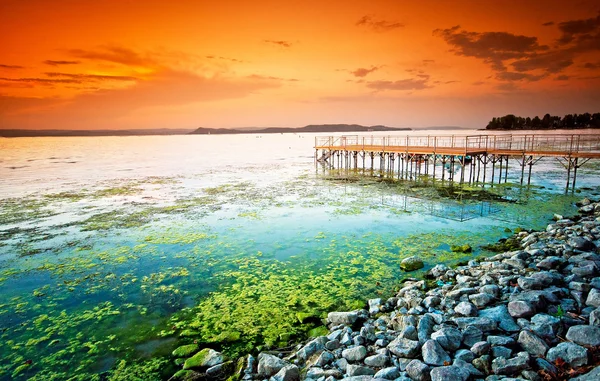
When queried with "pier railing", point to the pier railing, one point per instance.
{"points": [[550, 143]]}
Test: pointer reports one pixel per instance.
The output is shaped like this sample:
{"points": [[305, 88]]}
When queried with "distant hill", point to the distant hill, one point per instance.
{"points": [[38, 133], [311, 128]]}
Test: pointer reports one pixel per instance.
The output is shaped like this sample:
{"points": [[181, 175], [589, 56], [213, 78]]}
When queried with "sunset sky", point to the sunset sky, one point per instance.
{"points": [[124, 64]]}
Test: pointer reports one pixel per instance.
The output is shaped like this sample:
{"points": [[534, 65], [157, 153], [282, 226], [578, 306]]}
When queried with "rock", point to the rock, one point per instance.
{"points": [[411, 264], [545, 326], [287, 373], [481, 300], [471, 335], [532, 344], [438, 270], [347, 318], [448, 338], [464, 355], [425, 328], [390, 373], [185, 350], [377, 361], [573, 354], [418, 371], [404, 347], [219, 370], [449, 373], [434, 354], [466, 309], [584, 335], [359, 378], [483, 364], [355, 354], [593, 299], [482, 323], [549, 263], [500, 351], [268, 365], [594, 375], [520, 309], [501, 316], [580, 243], [469, 367], [312, 347], [409, 332], [206, 358], [342, 364], [502, 366], [481, 348], [500, 340], [431, 301], [359, 370], [374, 306], [595, 317], [324, 359], [332, 345]]}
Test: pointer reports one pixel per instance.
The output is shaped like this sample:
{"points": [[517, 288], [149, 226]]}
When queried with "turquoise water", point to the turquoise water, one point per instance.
{"points": [[114, 251]]}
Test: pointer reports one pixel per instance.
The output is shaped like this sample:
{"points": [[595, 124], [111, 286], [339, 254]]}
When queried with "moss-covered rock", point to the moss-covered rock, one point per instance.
{"points": [[461, 248], [183, 375], [411, 264], [186, 350], [203, 359]]}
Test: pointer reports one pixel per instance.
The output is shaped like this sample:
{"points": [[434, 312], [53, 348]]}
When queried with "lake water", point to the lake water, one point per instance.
{"points": [[116, 250]]}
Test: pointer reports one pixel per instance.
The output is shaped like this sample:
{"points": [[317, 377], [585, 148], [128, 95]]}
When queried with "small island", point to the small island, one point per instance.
{"points": [[547, 122]]}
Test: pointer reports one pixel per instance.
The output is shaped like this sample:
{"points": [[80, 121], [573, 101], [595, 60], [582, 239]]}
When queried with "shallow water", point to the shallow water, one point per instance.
{"points": [[115, 250]]}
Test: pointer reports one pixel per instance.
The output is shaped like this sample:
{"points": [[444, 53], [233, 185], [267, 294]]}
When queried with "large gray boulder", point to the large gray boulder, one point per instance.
{"points": [[434, 354], [449, 373], [347, 318], [575, 355], [584, 335], [404, 347], [269, 365]]}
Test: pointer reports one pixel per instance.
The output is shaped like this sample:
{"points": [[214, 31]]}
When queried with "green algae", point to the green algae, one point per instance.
{"points": [[197, 361]]}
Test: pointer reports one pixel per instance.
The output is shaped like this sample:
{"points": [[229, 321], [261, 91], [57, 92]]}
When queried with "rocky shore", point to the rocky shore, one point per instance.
{"points": [[527, 314]]}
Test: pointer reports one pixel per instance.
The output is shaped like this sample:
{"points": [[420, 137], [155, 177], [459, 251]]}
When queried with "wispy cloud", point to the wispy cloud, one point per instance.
{"points": [[403, 84], [282, 43], [92, 77], [378, 25], [60, 63], [11, 67], [363, 72]]}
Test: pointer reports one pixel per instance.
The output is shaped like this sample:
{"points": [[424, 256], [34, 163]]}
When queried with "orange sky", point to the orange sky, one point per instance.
{"points": [[120, 64]]}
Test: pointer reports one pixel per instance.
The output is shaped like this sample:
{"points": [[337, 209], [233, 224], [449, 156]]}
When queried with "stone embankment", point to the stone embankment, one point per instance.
{"points": [[528, 314]]}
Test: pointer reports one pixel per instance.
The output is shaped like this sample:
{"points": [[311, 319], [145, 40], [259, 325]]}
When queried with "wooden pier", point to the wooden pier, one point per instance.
{"points": [[441, 157]]}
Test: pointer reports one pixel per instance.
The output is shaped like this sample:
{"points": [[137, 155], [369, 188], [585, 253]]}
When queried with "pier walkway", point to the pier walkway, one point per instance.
{"points": [[471, 156]]}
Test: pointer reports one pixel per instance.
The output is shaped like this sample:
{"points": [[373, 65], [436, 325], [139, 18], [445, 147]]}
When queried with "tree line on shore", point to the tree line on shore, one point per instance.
{"points": [[547, 122]]}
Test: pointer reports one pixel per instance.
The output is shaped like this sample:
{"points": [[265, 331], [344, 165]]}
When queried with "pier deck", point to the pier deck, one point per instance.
{"points": [[415, 153]]}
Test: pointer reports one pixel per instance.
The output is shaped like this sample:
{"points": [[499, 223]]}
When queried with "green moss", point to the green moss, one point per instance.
{"points": [[198, 360], [183, 375], [318, 331], [185, 350], [20, 369], [466, 248]]}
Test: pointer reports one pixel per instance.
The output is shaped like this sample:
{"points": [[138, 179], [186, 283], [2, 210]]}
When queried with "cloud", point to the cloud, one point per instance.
{"points": [[11, 67], [478, 83], [104, 108], [492, 47], [59, 63], [40, 81], [512, 76], [592, 65], [549, 23], [363, 72], [562, 78], [378, 25], [403, 84], [92, 77], [224, 59], [271, 78], [551, 62], [580, 31], [282, 43], [113, 54]]}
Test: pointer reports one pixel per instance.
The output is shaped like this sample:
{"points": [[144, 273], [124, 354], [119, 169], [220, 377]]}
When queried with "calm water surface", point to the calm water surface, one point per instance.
{"points": [[115, 250]]}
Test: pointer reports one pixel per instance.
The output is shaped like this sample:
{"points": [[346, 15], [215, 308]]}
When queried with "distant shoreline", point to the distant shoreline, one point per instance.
{"points": [[320, 128]]}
